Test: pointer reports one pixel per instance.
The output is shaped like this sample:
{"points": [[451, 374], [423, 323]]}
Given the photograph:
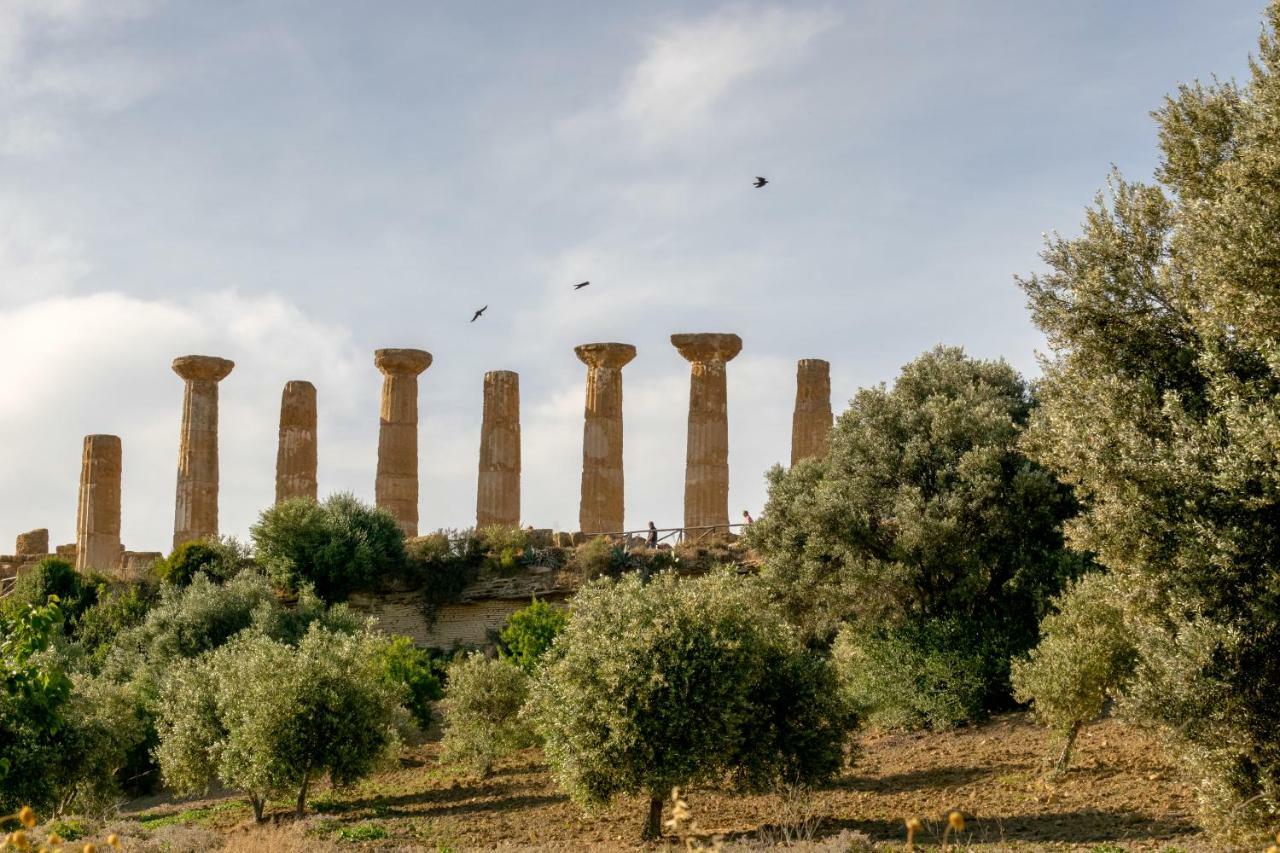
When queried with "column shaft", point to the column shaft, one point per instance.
{"points": [[706, 483], [811, 421], [602, 508], [498, 486], [396, 486], [98, 514], [196, 506], [296, 454]]}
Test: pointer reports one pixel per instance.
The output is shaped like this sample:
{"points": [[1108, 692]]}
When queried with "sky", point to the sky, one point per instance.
{"points": [[292, 185]]}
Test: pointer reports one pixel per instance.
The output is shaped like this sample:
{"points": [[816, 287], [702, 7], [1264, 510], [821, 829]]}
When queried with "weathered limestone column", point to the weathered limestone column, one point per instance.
{"points": [[706, 473], [811, 421], [601, 510], [32, 542], [98, 516], [396, 486], [296, 452], [196, 511], [498, 488]]}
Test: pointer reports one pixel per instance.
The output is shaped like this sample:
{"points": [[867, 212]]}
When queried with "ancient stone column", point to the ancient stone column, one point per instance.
{"points": [[32, 542], [396, 487], [498, 488], [706, 473], [601, 510], [296, 452], [196, 511], [811, 421], [98, 515]]}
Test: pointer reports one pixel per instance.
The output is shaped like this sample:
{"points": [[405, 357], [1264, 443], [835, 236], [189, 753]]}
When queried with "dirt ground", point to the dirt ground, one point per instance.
{"points": [[1121, 794]]}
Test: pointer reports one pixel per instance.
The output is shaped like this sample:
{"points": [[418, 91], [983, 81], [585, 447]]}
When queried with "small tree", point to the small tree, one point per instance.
{"points": [[1084, 657], [219, 558], [265, 718], [339, 546], [482, 706], [407, 666], [675, 682], [529, 633], [52, 576]]}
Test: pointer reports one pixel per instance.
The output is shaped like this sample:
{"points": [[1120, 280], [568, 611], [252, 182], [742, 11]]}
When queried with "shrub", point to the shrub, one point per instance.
{"points": [[673, 682], [265, 718], [505, 548], [481, 711], [338, 546], [1084, 658], [412, 668], [912, 676], [600, 556], [118, 608], [529, 633], [219, 558], [52, 576], [441, 566]]}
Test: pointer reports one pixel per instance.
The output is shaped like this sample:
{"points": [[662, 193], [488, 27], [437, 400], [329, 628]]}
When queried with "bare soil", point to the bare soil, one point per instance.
{"points": [[1120, 794]]}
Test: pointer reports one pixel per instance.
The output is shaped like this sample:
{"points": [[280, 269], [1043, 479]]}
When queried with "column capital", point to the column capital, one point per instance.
{"points": [[605, 354], [707, 346], [401, 362], [209, 367]]}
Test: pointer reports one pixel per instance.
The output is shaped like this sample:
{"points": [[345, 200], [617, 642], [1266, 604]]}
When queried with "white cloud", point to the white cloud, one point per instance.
{"points": [[692, 66]]}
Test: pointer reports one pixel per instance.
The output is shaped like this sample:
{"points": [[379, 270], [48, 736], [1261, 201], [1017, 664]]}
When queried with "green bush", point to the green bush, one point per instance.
{"points": [[932, 675], [338, 546], [219, 558], [505, 548], [529, 633], [441, 565], [676, 682], [118, 608], [481, 711], [412, 668], [267, 718], [52, 576], [1085, 657], [598, 557]]}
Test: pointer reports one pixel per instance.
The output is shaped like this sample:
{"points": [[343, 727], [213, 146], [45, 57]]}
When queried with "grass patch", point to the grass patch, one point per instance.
{"points": [[202, 816], [362, 832], [70, 829]]}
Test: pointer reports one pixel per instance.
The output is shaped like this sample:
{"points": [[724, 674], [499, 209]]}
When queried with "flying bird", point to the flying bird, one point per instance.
{"points": [[478, 313], [760, 182], [580, 286]]}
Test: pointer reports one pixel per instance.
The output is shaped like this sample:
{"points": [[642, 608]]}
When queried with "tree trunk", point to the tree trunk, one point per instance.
{"points": [[653, 826], [1060, 766], [302, 796], [258, 804]]}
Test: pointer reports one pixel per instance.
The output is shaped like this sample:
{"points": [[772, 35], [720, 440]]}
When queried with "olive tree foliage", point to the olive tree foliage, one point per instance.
{"points": [[1084, 658], [481, 711], [267, 718], [923, 526], [675, 682], [1161, 404]]}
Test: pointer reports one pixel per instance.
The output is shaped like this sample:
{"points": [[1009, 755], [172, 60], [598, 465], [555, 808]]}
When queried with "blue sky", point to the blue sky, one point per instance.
{"points": [[294, 184]]}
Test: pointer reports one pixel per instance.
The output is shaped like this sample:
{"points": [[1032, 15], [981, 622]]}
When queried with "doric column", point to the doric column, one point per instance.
{"points": [[498, 488], [196, 512], [811, 421], [296, 452], [601, 510], [706, 473], [396, 487], [98, 515]]}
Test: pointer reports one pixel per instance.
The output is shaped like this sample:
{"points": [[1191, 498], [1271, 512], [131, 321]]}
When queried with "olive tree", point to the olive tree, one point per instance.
{"points": [[925, 527], [674, 682], [481, 711], [1161, 404], [1084, 658], [264, 717]]}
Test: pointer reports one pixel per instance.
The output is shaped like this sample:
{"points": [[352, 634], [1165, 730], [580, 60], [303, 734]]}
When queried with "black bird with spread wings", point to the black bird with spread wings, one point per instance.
{"points": [[760, 182], [582, 285], [478, 313]]}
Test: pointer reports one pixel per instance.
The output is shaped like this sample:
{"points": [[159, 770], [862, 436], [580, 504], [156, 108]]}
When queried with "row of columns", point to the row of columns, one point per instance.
{"points": [[602, 509]]}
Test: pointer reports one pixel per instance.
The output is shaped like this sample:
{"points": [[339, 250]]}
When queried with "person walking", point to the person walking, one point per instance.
{"points": [[652, 541]]}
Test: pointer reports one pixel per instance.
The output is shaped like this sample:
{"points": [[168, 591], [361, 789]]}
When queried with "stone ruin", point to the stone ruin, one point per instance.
{"points": [[601, 507]]}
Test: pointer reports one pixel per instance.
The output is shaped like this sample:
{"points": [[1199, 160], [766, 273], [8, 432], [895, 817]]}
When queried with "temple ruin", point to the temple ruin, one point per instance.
{"points": [[498, 483], [601, 506], [811, 421], [706, 472], [196, 505], [98, 514], [296, 454], [396, 484]]}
